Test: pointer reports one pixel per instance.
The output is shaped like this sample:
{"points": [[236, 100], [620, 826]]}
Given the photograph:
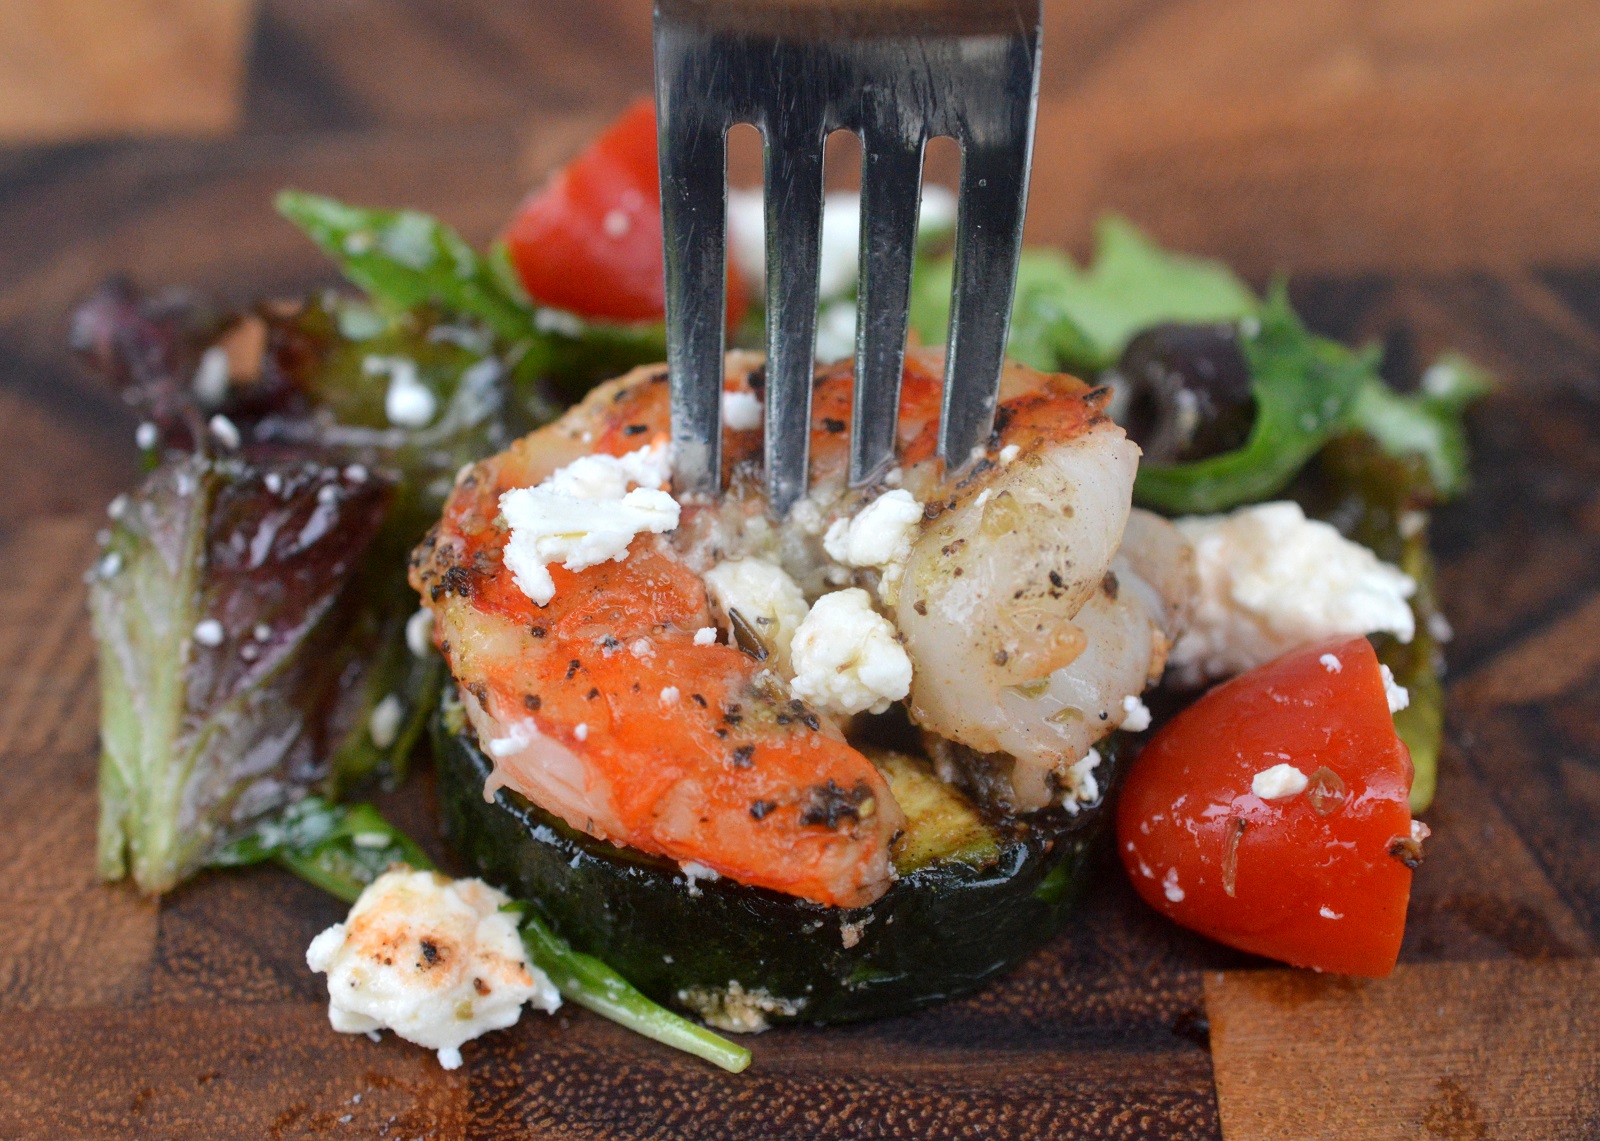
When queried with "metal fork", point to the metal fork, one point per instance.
{"points": [[896, 72]]}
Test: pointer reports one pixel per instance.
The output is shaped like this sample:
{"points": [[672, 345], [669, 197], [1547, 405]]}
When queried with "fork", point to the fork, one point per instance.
{"points": [[896, 72]]}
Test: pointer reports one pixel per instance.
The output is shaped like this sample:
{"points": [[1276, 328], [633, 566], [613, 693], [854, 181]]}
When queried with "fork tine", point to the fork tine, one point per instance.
{"points": [[794, 239], [891, 187], [693, 155], [988, 246]]}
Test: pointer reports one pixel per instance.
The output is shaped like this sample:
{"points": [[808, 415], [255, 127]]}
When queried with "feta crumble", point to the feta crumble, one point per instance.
{"points": [[209, 632], [670, 695], [419, 632], [705, 636], [1170, 888], [1009, 453], [145, 436], [210, 382], [583, 515], [383, 725], [880, 536], [1079, 786], [1331, 663], [742, 411], [408, 403], [1399, 697], [432, 959], [1135, 714], [846, 656], [765, 596], [1329, 913], [224, 431], [1271, 580], [1279, 781]]}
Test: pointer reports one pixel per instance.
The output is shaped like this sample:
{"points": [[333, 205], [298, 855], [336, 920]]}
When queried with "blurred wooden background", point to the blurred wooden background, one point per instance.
{"points": [[1347, 136]]}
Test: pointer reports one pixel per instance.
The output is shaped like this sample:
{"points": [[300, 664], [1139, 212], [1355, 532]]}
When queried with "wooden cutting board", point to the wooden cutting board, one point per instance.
{"points": [[196, 1018]]}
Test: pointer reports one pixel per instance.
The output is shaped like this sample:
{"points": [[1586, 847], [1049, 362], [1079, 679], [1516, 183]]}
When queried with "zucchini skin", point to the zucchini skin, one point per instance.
{"points": [[941, 931]]}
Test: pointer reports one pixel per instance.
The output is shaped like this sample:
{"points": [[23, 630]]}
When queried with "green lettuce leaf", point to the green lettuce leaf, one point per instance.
{"points": [[1070, 319], [1429, 422], [224, 604], [1304, 386]]}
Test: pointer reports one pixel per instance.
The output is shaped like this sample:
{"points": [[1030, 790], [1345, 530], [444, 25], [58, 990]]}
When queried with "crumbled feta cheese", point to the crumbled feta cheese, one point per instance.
{"points": [[519, 735], [211, 377], [880, 535], [273, 482], [581, 731], [846, 657], [209, 632], [1399, 697], [1420, 831], [408, 403], [1329, 913], [419, 632], [1170, 888], [261, 632], [1278, 781], [434, 960], [1331, 663], [1135, 714], [558, 321], [736, 1009], [1009, 453], [356, 473], [145, 436], [224, 431], [1079, 785], [670, 695], [840, 246], [383, 725], [583, 515], [1271, 580], [742, 411], [765, 597], [705, 636], [694, 871], [836, 331]]}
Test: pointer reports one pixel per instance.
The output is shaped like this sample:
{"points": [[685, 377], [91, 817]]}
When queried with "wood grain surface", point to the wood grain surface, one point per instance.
{"points": [[1427, 170]]}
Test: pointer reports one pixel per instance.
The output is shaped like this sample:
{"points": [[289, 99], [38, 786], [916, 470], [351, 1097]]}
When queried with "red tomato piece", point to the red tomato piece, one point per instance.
{"points": [[590, 241], [1316, 877]]}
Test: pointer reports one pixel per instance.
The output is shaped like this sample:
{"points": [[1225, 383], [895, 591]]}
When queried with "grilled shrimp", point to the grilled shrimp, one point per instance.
{"points": [[1037, 601], [1027, 614]]}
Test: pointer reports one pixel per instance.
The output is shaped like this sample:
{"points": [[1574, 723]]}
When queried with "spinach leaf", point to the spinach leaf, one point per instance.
{"points": [[405, 258], [1427, 423], [341, 849], [1304, 386]]}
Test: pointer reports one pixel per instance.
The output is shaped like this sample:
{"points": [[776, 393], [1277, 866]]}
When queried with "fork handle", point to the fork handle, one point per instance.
{"points": [[852, 19]]}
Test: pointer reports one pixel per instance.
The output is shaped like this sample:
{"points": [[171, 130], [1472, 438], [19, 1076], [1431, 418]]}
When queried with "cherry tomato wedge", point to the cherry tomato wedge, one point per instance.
{"points": [[590, 241], [1271, 815]]}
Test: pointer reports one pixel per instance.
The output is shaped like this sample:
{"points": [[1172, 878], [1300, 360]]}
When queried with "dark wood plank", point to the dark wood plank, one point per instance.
{"points": [[70, 941], [1469, 1050], [272, 1071]]}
